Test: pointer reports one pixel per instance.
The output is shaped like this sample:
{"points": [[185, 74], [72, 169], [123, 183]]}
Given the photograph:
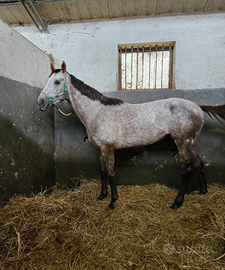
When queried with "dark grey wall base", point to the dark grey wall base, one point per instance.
{"points": [[26, 142]]}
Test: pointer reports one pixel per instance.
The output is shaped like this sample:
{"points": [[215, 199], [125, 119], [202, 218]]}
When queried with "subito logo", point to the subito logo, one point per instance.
{"points": [[168, 249]]}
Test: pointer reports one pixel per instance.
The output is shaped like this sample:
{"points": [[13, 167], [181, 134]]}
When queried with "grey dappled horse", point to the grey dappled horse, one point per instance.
{"points": [[114, 124]]}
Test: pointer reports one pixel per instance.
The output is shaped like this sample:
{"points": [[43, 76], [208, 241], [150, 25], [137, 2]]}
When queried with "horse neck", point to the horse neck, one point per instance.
{"points": [[84, 107]]}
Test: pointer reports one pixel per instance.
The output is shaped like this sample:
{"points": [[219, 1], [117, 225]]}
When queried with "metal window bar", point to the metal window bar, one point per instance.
{"points": [[131, 68], [162, 68], [150, 52], [137, 69], [142, 81], [152, 68], [120, 68], [171, 67], [156, 54], [126, 68]]}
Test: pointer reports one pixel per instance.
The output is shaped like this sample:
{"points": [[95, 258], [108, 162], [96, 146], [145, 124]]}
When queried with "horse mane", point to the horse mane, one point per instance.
{"points": [[92, 93]]}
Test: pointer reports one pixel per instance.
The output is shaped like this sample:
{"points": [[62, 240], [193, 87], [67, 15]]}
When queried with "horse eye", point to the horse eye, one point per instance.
{"points": [[57, 82]]}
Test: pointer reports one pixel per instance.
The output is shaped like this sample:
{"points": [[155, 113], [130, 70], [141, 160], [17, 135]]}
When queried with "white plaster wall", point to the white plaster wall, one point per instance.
{"points": [[90, 48], [20, 59]]}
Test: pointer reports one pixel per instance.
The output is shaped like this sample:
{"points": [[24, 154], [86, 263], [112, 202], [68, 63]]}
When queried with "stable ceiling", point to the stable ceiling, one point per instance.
{"points": [[45, 12]]}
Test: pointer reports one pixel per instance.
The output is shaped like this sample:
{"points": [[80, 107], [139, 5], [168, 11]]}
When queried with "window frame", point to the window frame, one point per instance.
{"points": [[154, 46]]}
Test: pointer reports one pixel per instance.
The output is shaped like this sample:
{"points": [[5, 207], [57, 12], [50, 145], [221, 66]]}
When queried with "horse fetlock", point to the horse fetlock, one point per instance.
{"points": [[176, 204], [203, 190], [115, 197], [102, 196], [111, 206]]}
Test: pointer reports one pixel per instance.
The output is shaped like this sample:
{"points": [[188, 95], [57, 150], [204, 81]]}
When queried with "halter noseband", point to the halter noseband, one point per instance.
{"points": [[58, 95]]}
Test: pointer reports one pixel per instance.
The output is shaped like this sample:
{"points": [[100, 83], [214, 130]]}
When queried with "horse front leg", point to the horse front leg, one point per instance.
{"points": [[107, 156], [103, 193], [114, 193]]}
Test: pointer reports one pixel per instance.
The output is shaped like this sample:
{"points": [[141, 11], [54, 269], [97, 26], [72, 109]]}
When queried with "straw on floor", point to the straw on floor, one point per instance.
{"points": [[70, 229]]}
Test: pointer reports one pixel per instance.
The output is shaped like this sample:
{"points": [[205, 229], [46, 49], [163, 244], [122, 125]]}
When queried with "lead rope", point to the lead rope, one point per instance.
{"points": [[66, 114]]}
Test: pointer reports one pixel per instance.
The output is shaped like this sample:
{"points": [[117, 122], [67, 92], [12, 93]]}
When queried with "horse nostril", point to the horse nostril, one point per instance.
{"points": [[40, 102]]}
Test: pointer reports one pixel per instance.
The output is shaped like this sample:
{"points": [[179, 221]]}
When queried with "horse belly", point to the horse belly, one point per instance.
{"points": [[128, 126], [137, 138]]}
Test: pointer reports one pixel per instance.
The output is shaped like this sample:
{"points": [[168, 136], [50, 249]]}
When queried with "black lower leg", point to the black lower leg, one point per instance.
{"points": [[199, 168], [201, 179], [184, 184], [202, 184], [103, 193], [114, 194]]}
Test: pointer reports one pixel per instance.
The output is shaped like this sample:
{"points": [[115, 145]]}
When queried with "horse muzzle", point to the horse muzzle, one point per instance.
{"points": [[43, 104]]}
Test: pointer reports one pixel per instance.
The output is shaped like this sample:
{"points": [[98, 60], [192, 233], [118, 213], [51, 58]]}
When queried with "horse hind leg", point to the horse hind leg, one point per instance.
{"points": [[188, 158], [199, 168], [186, 172], [185, 157]]}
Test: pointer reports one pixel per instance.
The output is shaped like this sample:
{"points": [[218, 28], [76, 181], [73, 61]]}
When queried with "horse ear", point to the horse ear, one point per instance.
{"points": [[52, 67], [63, 67]]}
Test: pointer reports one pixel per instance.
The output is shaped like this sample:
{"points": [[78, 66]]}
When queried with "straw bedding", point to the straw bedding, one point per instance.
{"points": [[70, 229]]}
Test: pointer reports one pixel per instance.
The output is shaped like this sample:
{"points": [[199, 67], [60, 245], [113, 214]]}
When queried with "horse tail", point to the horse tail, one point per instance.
{"points": [[215, 111]]}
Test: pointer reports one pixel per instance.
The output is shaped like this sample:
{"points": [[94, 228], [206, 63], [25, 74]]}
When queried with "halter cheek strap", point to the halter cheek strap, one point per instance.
{"points": [[58, 95]]}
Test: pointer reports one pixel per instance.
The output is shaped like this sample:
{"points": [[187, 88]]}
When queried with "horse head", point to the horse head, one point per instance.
{"points": [[55, 88]]}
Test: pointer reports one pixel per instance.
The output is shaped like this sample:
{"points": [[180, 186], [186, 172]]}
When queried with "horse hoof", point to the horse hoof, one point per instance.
{"points": [[101, 197], [203, 191], [175, 206], [111, 206]]}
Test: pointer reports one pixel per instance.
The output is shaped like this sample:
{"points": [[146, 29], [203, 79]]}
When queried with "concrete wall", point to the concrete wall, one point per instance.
{"points": [[26, 141], [20, 59], [90, 48], [155, 163]]}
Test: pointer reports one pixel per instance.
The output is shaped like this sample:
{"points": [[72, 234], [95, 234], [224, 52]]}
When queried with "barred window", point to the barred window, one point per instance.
{"points": [[146, 66]]}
